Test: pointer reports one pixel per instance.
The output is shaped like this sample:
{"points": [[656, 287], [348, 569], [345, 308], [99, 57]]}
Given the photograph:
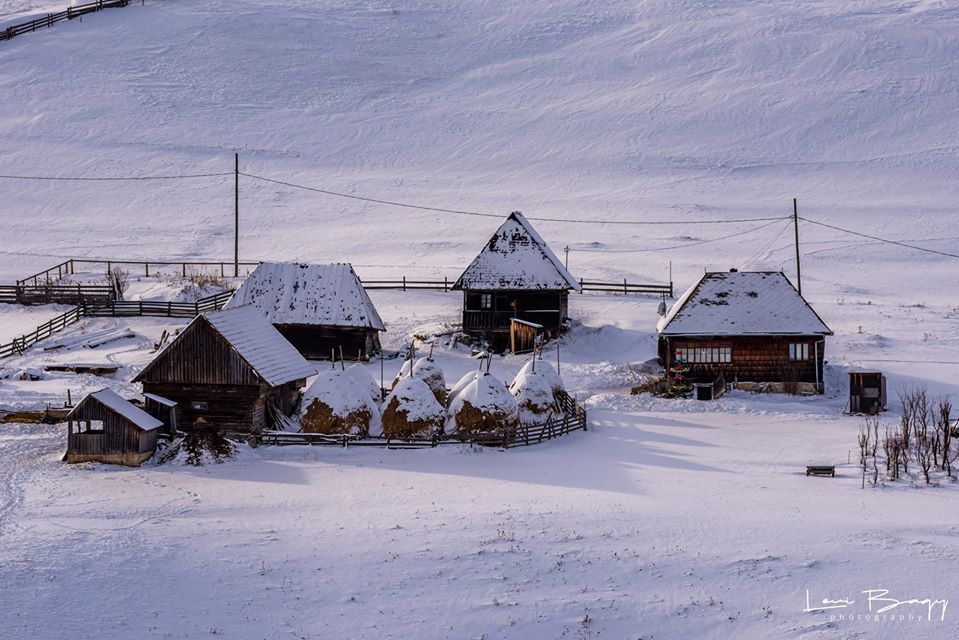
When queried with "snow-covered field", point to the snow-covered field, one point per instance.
{"points": [[668, 519]]}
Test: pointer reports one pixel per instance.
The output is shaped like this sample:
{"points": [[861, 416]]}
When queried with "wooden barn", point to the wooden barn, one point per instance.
{"points": [[104, 427], [516, 275], [319, 308], [747, 327], [230, 368]]}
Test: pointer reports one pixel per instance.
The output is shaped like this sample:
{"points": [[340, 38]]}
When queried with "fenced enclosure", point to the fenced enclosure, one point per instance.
{"points": [[572, 419], [114, 308], [51, 19]]}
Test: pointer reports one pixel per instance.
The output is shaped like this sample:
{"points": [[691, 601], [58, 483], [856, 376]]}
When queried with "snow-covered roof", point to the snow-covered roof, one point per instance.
{"points": [[258, 342], [137, 416], [742, 303], [166, 402], [310, 294], [516, 257]]}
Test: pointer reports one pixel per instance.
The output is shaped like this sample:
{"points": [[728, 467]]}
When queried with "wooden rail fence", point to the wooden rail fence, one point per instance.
{"points": [[52, 18], [131, 308], [27, 294], [573, 419]]}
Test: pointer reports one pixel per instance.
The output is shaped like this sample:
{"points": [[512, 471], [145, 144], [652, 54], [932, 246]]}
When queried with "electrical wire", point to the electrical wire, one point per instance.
{"points": [[407, 205], [116, 178], [765, 248], [878, 239], [680, 246]]}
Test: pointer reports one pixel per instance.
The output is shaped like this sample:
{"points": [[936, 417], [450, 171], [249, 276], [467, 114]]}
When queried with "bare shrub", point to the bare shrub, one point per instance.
{"points": [[118, 279]]}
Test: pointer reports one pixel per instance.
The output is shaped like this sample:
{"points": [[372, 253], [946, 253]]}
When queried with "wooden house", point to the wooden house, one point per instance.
{"points": [[319, 308], [516, 275], [746, 327], [230, 368], [104, 427]]}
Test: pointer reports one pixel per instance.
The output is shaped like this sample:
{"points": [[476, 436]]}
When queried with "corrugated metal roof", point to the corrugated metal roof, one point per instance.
{"points": [[516, 257], [309, 294], [258, 342], [127, 409], [742, 303]]}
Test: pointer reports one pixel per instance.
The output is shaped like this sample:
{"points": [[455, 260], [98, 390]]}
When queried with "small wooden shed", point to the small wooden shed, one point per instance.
{"points": [[516, 275], [231, 368], [747, 327], [320, 308], [104, 427], [867, 392]]}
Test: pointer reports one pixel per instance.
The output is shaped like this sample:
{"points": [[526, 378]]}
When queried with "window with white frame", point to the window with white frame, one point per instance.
{"points": [[704, 355], [486, 301], [798, 351]]}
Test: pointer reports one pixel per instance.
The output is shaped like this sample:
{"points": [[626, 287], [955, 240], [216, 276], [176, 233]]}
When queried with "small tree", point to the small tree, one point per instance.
{"points": [[119, 280], [943, 423]]}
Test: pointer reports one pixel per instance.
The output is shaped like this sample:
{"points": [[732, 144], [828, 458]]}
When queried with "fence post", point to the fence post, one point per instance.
{"points": [[222, 274], [446, 284], [146, 269], [71, 266], [184, 269], [404, 283]]}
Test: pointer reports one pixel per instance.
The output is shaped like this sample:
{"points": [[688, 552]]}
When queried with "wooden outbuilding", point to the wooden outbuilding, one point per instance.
{"points": [[516, 275], [104, 427], [320, 308], [747, 327], [230, 368]]}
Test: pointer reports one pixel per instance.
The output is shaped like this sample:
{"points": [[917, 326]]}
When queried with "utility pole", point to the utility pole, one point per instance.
{"points": [[567, 257], [796, 232], [236, 217]]}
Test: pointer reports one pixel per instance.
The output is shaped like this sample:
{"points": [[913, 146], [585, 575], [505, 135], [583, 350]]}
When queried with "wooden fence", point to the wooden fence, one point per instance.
{"points": [[27, 294], [573, 419], [52, 18], [131, 308], [225, 269]]}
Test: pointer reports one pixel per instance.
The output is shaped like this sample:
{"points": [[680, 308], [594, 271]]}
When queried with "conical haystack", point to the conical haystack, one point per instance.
{"points": [[461, 384], [336, 404], [535, 396], [546, 370], [364, 379], [411, 411], [429, 372], [485, 405]]}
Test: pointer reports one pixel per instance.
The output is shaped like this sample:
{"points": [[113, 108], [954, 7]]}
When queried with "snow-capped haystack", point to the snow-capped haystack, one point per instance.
{"points": [[365, 380], [535, 397], [336, 404], [485, 405], [404, 372], [201, 446], [461, 384], [411, 410], [428, 371], [537, 390]]}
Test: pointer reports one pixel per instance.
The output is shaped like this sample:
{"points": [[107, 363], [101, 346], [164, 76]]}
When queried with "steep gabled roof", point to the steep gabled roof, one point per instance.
{"points": [[129, 411], [309, 294], [742, 303], [516, 257], [253, 338]]}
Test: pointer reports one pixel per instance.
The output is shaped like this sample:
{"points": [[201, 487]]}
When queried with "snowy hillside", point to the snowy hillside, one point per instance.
{"points": [[668, 518]]}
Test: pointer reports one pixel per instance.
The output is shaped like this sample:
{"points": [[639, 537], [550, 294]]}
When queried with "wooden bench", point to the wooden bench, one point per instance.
{"points": [[821, 470]]}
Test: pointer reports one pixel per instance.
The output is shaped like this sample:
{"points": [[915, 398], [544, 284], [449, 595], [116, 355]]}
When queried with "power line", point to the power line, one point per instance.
{"points": [[765, 248], [895, 242], [680, 246], [115, 178], [408, 205]]}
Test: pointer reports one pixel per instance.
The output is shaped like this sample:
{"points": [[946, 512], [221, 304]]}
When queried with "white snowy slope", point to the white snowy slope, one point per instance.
{"points": [[667, 519]]}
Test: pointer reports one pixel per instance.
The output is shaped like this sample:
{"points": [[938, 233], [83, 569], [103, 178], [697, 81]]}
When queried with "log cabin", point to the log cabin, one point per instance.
{"points": [[230, 368], [104, 427], [320, 308], [747, 327], [516, 275]]}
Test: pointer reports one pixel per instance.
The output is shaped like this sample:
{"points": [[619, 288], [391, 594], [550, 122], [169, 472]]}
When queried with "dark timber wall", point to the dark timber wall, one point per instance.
{"points": [[547, 308], [754, 358], [318, 342]]}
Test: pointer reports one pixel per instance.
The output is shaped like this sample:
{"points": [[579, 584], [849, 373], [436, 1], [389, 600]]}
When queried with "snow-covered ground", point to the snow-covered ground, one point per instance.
{"points": [[668, 518]]}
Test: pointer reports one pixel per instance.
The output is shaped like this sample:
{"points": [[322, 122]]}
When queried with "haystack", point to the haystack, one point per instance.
{"points": [[535, 397], [429, 372], [485, 405], [203, 445], [411, 411], [364, 379], [460, 385], [336, 404]]}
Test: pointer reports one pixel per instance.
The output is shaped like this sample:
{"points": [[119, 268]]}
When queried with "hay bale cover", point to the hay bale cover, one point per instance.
{"points": [[337, 403], [411, 411]]}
